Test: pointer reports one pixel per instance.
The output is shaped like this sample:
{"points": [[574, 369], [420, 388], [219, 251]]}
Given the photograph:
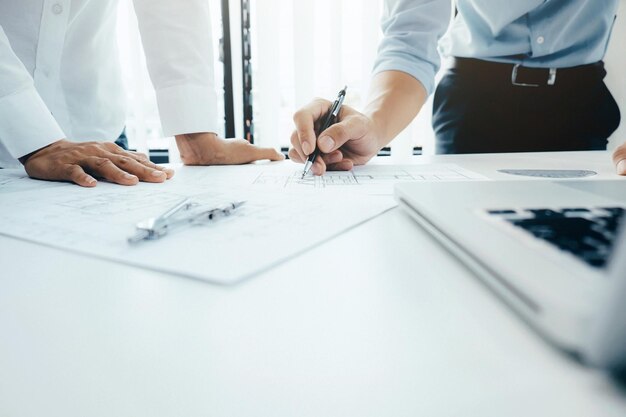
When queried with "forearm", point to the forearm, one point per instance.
{"points": [[395, 99], [178, 46], [26, 123]]}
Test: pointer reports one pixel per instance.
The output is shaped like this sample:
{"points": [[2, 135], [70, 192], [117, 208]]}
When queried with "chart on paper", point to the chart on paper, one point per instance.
{"points": [[374, 177], [280, 219], [269, 229], [16, 180]]}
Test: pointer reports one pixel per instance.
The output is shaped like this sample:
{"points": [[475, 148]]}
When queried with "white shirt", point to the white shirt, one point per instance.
{"points": [[60, 71]]}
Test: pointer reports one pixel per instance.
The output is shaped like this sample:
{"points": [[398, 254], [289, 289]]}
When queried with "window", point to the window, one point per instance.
{"points": [[143, 126], [300, 50]]}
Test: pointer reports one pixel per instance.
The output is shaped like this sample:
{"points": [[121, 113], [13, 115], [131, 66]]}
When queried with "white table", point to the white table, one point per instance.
{"points": [[377, 322]]}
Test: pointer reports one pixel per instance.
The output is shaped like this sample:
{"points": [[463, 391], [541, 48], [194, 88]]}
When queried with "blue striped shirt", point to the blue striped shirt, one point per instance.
{"points": [[534, 33]]}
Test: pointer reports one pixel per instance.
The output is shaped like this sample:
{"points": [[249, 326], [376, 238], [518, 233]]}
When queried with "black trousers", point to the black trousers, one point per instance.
{"points": [[478, 113]]}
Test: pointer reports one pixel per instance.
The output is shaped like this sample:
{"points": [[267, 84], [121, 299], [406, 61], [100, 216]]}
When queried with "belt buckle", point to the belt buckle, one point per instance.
{"points": [[551, 77]]}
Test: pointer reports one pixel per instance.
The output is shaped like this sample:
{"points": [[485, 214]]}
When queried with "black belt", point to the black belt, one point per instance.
{"points": [[520, 76]]}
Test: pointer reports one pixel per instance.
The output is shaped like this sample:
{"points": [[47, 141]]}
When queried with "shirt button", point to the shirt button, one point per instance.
{"points": [[540, 40], [57, 8]]}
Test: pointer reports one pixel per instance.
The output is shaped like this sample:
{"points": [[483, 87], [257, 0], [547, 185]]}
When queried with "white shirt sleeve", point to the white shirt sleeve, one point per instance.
{"points": [[179, 52], [26, 123]]}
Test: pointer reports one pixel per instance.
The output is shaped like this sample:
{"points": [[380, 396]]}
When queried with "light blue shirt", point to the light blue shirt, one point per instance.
{"points": [[534, 33]]}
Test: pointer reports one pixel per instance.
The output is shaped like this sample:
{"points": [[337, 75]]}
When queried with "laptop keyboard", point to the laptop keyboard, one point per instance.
{"points": [[587, 233]]}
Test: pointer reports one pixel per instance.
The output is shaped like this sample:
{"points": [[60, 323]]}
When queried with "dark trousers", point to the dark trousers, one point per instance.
{"points": [[477, 113]]}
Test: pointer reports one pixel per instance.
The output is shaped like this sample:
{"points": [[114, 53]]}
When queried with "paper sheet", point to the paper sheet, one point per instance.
{"points": [[16, 180], [282, 216], [270, 228], [369, 179]]}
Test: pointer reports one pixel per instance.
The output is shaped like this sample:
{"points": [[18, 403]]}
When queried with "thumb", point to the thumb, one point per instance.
{"points": [[353, 127]]}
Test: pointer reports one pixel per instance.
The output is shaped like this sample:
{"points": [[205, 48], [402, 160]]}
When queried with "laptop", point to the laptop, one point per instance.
{"points": [[555, 252]]}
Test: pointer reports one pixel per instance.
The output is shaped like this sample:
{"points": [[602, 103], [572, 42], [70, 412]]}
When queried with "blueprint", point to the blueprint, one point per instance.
{"points": [[373, 179], [269, 229], [283, 215], [16, 180]]}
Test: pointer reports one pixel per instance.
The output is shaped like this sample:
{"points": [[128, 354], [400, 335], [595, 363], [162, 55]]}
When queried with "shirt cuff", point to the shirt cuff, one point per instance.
{"points": [[423, 73], [26, 123], [187, 109]]}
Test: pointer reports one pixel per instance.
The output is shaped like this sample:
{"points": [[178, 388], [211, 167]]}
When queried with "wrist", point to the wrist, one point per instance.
{"points": [[24, 159], [196, 136], [379, 129], [198, 148]]}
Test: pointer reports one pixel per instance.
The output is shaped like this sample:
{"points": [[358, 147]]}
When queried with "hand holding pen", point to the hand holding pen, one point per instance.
{"points": [[352, 138], [330, 119]]}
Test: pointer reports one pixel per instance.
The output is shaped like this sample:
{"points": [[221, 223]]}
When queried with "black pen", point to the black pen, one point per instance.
{"points": [[331, 118]]}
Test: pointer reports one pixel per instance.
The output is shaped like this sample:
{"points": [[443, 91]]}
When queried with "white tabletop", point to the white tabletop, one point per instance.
{"points": [[377, 322]]}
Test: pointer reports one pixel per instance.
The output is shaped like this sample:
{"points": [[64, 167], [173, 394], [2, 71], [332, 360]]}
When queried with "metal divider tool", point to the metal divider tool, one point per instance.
{"points": [[156, 227]]}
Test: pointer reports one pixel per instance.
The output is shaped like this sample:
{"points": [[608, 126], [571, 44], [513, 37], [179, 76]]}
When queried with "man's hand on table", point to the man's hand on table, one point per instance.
{"points": [[619, 159], [82, 163], [352, 141], [210, 149]]}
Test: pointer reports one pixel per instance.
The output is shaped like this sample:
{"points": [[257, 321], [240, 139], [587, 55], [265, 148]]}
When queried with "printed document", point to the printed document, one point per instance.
{"points": [[283, 215]]}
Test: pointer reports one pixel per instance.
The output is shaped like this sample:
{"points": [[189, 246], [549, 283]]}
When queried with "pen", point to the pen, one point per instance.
{"points": [[331, 118]]}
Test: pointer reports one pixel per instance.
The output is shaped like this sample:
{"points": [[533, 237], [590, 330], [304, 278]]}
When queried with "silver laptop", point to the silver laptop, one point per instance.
{"points": [[555, 252]]}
